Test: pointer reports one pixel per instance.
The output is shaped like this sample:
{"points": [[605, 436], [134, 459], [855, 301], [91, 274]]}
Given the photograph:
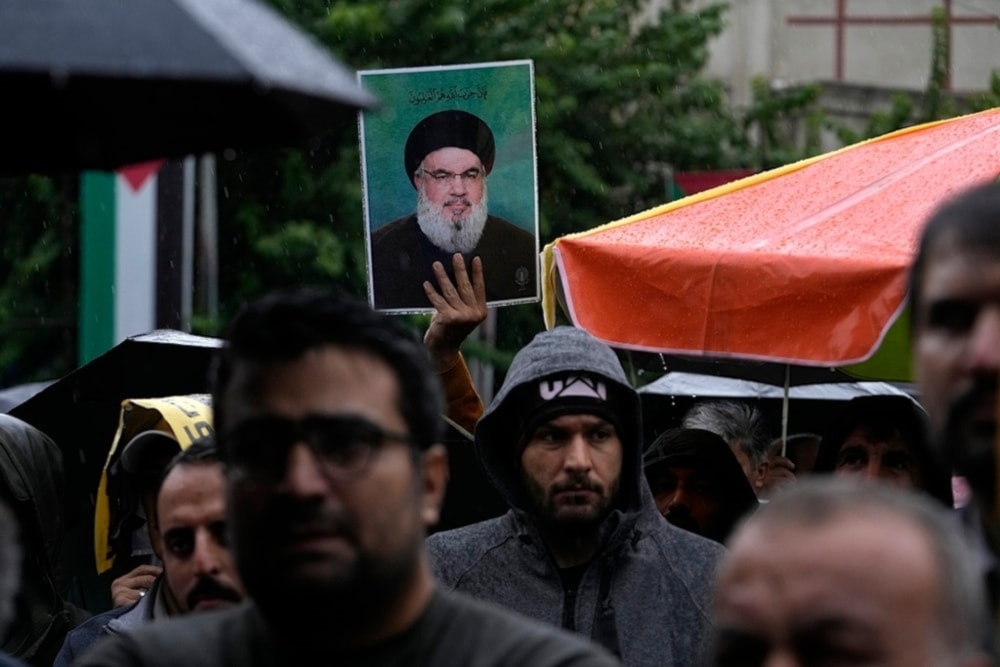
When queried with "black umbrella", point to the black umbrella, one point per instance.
{"points": [[97, 84], [19, 393], [80, 412]]}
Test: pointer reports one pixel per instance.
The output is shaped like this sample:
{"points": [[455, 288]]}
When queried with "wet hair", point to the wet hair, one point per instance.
{"points": [[734, 422], [200, 452], [962, 620], [284, 325], [970, 220]]}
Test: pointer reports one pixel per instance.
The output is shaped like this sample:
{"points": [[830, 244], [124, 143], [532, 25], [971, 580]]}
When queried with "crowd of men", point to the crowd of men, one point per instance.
{"points": [[298, 533]]}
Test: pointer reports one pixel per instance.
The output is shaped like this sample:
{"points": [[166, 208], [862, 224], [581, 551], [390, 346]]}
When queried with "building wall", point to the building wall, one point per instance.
{"points": [[882, 43]]}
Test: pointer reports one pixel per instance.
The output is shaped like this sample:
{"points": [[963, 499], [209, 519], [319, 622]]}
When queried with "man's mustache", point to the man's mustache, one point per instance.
{"points": [[578, 484], [209, 588], [681, 517]]}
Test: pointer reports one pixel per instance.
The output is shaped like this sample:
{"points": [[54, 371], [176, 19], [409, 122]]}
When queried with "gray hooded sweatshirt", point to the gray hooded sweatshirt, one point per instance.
{"points": [[646, 594]]}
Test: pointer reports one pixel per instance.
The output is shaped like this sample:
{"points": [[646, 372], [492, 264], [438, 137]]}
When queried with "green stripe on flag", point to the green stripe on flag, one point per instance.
{"points": [[97, 264]]}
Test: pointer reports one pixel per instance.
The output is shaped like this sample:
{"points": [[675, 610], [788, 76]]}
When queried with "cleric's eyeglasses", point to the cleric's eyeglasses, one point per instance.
{"points": [[442, 177], [345, 446]]}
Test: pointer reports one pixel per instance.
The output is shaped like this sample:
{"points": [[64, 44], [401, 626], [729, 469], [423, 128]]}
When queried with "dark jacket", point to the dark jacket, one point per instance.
{"points": [[707, 452], [895, 412], [402, 258], [454, 630], [32, 484], [111, 622], [646, 595]]}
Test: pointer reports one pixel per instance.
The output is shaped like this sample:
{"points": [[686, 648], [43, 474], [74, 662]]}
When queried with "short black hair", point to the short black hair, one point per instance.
{"points": [[284, 325], [971, 220], [201, 452]]}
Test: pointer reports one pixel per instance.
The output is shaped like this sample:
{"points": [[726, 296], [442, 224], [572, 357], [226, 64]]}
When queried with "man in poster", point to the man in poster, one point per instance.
{"points": [[448, 156]]}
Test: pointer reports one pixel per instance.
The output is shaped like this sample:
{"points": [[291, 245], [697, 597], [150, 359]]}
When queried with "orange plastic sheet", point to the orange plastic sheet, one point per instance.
{"points": [[803, 264]]}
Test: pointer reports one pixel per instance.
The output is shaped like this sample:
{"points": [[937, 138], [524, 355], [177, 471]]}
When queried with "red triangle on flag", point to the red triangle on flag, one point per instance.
{"points": [[138, 174]]}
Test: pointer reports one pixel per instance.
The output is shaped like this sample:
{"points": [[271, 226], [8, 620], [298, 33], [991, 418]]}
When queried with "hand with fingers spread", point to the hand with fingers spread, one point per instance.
{"points": [[458, 309], [129, 587]]}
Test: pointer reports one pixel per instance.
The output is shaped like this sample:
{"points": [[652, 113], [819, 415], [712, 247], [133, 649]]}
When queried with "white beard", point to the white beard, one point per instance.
{"points": [[451, 234]]}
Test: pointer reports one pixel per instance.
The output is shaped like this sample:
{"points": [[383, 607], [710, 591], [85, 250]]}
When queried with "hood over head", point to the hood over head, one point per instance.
{"points": [[562, 371], [703, 450], [904, 414], [31, 468]]}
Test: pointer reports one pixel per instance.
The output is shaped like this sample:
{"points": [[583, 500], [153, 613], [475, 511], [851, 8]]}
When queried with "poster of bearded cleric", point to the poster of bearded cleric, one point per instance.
{"points": [[448, 163]]}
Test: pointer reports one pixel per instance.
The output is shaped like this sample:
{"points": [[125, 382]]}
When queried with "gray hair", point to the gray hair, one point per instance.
{"points": [[735, 422], [963, 621], [10, 566]]}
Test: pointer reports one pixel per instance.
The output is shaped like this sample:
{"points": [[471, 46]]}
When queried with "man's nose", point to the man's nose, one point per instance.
{"points": [[578, 454], [984, 342], [457, 185], [303, 474], [874, 469], [207, 559], [678, 498], [780, 658]]}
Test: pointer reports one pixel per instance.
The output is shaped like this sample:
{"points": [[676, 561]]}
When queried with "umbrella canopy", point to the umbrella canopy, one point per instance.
{"points": [[102, 83], [805, 407], [806, 263], [712, 386], [80, 412]]}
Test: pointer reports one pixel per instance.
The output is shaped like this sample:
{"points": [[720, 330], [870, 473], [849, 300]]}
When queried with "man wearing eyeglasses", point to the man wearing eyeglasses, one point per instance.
{"points": [[328, 417], [447, 157]]}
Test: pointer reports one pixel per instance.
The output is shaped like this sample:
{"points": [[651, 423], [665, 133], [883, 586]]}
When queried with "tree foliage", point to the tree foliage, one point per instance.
{"points": [[38, 272], [618, 105]]}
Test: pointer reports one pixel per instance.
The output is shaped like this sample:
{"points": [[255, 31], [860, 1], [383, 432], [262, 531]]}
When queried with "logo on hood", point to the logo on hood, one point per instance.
{"points": [[574, 386]]}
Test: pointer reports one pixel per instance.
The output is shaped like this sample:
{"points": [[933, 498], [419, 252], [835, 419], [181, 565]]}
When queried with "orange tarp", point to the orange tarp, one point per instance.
{"points": [[806, 263]]}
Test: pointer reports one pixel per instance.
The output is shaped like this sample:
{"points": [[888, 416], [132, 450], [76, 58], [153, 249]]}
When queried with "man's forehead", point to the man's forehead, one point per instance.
{"points": [[192, 489], [842, 546], [449, 156], [875, 432], [951, 262], [251, 387]]}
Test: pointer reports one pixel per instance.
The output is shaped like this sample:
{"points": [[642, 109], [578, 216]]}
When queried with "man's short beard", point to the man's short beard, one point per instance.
{"points": [[545, 512], [452, 233], [968, 444]]}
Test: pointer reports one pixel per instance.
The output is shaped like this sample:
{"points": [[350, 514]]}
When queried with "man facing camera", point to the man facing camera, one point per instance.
{"points": [[583, 546], [832, 572], [188, 534]]}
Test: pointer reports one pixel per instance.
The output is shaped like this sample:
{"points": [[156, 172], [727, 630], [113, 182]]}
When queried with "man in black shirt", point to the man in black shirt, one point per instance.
{"points": [[328, 417]]}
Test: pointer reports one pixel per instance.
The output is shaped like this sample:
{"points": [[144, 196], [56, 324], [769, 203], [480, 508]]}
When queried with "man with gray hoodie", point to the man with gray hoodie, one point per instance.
{"points": [[583, 545]]}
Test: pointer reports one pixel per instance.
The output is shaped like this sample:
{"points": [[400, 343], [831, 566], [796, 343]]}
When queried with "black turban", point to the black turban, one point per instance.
{"points": [[454, 129]]}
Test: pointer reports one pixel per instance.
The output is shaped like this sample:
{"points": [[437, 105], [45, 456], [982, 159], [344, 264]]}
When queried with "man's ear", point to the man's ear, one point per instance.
{"points": [[434, 480], [762, 469], [152, 524], [155, 539]]}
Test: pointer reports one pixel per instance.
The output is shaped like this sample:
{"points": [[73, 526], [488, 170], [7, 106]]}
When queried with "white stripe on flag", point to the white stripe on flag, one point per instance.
{"points": [[135, 257]]}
